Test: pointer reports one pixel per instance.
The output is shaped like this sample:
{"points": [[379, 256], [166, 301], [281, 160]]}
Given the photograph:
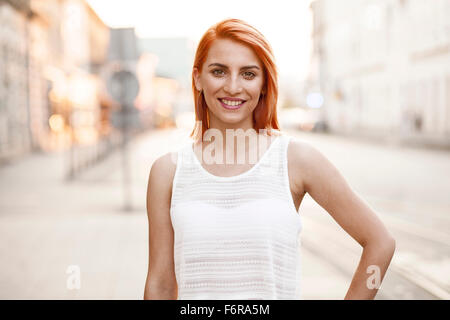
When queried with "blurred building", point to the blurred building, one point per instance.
{"points": [[383, 67], [14, 114], [165, 69], [50, 86]]}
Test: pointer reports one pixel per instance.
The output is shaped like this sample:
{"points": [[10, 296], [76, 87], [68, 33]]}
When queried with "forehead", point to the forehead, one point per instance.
{"points": [[231, 53]]}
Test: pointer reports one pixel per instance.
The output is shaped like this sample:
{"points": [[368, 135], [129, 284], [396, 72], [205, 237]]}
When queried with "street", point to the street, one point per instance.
{"points": [[48, 224], [408, 189]]}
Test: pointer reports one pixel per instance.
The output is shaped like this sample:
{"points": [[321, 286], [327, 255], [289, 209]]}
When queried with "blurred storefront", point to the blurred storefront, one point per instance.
{"points": [[14, 112], [383, 67], [52, 95]]}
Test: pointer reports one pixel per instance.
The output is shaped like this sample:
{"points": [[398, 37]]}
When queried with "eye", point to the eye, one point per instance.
{"points": [[217, 72], [249, 75]]}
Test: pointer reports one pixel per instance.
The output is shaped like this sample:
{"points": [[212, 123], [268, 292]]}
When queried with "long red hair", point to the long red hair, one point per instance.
{"points": [[265, 113]]}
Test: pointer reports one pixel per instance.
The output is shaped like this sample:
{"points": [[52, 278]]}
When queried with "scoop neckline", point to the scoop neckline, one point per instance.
{"points": [[243, 174]]}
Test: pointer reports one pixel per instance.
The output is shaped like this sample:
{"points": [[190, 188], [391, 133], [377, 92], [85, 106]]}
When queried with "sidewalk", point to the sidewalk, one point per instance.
{"points": [[408, 140], [47, 225]]}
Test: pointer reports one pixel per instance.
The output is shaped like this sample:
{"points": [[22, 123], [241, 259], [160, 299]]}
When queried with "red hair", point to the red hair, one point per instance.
{"points": [[264, 115]]}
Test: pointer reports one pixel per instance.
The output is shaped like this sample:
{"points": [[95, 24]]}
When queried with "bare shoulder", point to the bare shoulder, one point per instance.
{"points": [[302, 151], [165, 164], [317, 171], [162, 173], [304, 160]]}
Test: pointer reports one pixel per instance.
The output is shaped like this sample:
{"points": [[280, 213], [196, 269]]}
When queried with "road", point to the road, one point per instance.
{"points": [[408, 189], [48, 224]]}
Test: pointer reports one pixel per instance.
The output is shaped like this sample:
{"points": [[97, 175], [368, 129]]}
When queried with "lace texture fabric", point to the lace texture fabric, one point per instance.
{"points": [[236, 237]]}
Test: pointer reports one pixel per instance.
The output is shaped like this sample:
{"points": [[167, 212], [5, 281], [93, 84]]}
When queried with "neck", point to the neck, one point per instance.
{"points": [[233, 139], [228, 132]]}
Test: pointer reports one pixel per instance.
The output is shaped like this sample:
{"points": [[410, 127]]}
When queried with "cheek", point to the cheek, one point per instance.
{"points": [[254, 86], [212, 84], [255, 89]]}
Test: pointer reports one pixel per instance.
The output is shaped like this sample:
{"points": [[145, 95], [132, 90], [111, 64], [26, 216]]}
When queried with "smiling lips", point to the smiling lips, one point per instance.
{"points": [[231, 103]]}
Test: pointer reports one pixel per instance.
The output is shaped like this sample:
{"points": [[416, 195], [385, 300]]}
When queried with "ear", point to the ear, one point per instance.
{"points": [[263, 89], [196, 75]]}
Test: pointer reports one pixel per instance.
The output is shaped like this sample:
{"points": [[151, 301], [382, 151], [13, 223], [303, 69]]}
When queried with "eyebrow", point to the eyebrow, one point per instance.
{"points": [[224, 66]]}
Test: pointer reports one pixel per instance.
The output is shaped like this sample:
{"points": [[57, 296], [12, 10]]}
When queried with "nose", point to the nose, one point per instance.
{"points": [[233, 86]]}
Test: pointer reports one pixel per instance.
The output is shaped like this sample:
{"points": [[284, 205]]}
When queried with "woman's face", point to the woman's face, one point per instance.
{"points": [[231, 79]]}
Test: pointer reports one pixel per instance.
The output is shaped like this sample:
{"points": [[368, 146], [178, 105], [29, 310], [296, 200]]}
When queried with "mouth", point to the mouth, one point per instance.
{"points": [[231, 104]]}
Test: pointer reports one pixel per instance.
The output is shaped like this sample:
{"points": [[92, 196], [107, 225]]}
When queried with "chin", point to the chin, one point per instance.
{"points": [[232, 119]]}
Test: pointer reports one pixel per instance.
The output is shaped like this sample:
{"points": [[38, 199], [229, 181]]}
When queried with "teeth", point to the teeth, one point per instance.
{"points": [[231, 103]]}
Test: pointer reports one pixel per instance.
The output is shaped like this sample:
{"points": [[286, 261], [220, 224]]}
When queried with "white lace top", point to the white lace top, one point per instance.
{"points": [[236, 237]]}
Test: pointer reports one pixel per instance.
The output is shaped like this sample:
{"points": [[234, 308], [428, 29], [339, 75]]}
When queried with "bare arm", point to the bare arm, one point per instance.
{"points": [[161, 282], [330, 190]]}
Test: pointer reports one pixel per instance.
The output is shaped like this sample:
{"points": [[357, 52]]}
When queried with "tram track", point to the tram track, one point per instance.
{"points": [[335, 246]]}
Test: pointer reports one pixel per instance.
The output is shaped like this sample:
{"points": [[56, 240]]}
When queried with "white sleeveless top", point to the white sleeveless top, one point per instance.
{"points": [[236, 237]]}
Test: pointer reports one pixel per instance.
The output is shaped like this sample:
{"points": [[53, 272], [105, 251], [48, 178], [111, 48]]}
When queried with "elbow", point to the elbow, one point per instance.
{"points": [[388, 242], [385, 245], [392, 244]]}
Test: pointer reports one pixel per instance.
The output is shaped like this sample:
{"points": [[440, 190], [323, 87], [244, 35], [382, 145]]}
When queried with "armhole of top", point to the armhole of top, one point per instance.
{"points": [[175, 176], [286, 173]]}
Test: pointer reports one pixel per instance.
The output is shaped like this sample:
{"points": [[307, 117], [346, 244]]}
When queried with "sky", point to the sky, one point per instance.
{"points": [[285, 23]]}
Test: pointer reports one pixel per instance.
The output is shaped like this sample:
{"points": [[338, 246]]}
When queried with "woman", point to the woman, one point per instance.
{"points": [[223, 228]]}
